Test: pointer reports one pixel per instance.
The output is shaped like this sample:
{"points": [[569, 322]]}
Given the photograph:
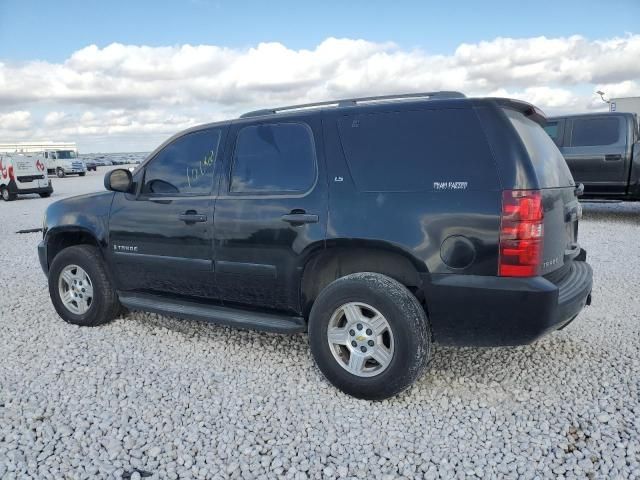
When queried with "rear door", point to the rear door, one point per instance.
{"points": [[271, 211], [561, 208], [595, 150], [29, 172]]}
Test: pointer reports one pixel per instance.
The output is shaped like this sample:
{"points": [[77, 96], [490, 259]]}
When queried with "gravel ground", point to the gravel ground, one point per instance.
{"points": [[151, 395]]}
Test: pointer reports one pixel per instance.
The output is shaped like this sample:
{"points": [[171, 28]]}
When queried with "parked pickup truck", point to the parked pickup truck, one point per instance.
{"points": [[602, 151]]}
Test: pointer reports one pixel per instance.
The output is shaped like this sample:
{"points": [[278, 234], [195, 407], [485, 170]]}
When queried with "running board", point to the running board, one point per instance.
{"points": [[233, 317]]}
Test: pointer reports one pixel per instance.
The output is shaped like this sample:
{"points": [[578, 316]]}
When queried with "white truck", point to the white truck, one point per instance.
{"points": [[63, 162], [22, 174]]}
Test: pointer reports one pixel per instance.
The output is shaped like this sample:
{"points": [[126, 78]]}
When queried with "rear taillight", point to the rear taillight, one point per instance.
{"points": [[521, 232], [11, 175]]}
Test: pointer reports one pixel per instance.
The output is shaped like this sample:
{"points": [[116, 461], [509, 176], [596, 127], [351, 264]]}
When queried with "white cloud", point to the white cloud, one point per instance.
{"points": [[122, 90], [627, 88], [53, 119], [18, 120]]}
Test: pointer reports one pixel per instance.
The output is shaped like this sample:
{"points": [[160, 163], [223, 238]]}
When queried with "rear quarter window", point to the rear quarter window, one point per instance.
{"points": [[418, 150], [595, 131], [548, 163]]}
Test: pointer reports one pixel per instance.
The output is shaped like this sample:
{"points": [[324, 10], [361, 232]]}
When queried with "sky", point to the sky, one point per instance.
{"points": [[124, 75]]}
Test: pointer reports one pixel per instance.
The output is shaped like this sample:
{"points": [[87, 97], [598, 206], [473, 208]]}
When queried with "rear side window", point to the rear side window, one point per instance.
{"points": [[549, 164], [420, 150], [552, 130], [185, 166], [590, 132], [274, 158]]}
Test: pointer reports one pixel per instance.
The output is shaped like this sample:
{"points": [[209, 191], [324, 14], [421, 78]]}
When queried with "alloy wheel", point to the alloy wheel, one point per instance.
{"points": [[75, 289], [360, 339]]}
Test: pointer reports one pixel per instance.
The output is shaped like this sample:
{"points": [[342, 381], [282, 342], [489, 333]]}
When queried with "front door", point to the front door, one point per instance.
{"points": [[161, 237], [595, 150], [271, 212]]}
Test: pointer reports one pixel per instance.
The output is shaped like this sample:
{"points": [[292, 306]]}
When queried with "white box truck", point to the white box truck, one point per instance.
{"points": [[63, 162], [22, 174]]}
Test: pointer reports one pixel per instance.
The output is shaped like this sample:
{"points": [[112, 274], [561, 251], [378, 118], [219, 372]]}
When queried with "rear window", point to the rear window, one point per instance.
{"points": [[590, 132], [420, 150], [549, 164]]}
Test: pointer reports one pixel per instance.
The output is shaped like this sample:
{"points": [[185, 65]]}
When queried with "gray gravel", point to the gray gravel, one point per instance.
{"points": [[153, 395]]}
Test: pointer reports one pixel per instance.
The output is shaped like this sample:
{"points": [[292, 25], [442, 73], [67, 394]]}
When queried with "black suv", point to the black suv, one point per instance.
{"points": [[378, 225]]}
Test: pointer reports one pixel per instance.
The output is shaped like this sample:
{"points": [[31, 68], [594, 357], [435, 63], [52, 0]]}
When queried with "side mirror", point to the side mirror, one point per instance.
{"points": [[119, 180]]}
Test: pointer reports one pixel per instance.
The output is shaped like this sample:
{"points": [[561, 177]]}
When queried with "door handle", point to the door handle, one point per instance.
{"points": [[612, 158], [191, 216], [299, 218]]}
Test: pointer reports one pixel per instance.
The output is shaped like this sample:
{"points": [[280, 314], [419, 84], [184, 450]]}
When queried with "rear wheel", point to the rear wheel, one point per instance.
{"points": [[45, 194], [82, 174], [369, 335], [60, 172], [7, 196], [80, 288]]}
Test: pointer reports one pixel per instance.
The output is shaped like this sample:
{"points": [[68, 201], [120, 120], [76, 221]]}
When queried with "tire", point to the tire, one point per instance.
{"points": [[60, 173], [45, 194], [406, 339], [7, 196], [82, 174], [104, 305]]}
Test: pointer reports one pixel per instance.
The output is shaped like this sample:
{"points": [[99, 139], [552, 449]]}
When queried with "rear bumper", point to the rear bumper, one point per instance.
{"points": [[13, 187], [500, 311]]}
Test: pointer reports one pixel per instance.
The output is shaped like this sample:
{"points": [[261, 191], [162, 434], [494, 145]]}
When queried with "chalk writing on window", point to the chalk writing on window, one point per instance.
{"points": [[204, 166]]}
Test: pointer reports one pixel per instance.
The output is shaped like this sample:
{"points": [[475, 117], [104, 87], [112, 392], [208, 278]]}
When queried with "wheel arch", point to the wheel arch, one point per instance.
{"points": [[60, 238], [342, 258]]}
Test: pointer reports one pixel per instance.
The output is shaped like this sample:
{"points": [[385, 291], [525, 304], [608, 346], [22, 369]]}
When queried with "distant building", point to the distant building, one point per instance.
{"points": [[30, 147], [626, 104]]}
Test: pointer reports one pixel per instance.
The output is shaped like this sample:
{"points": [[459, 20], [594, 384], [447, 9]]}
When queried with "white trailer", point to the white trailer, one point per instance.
{"points": [[35, 147], [625, 104]]}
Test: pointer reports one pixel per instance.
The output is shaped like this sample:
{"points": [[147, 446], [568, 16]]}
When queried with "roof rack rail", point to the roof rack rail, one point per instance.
{"points": [[350, 102]]}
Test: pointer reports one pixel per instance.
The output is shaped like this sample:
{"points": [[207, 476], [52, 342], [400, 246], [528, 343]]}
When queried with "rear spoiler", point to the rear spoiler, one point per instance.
{"points": [[528, 110]]}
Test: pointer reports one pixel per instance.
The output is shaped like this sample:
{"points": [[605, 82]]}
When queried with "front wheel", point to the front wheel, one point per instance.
{"points": [[82, 174], [369, 335], [60, 173], [45, 194], [80, 288]]}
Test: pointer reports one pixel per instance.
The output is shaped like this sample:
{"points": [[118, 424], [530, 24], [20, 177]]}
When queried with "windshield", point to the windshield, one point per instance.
{"points": [[65, 154]]}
